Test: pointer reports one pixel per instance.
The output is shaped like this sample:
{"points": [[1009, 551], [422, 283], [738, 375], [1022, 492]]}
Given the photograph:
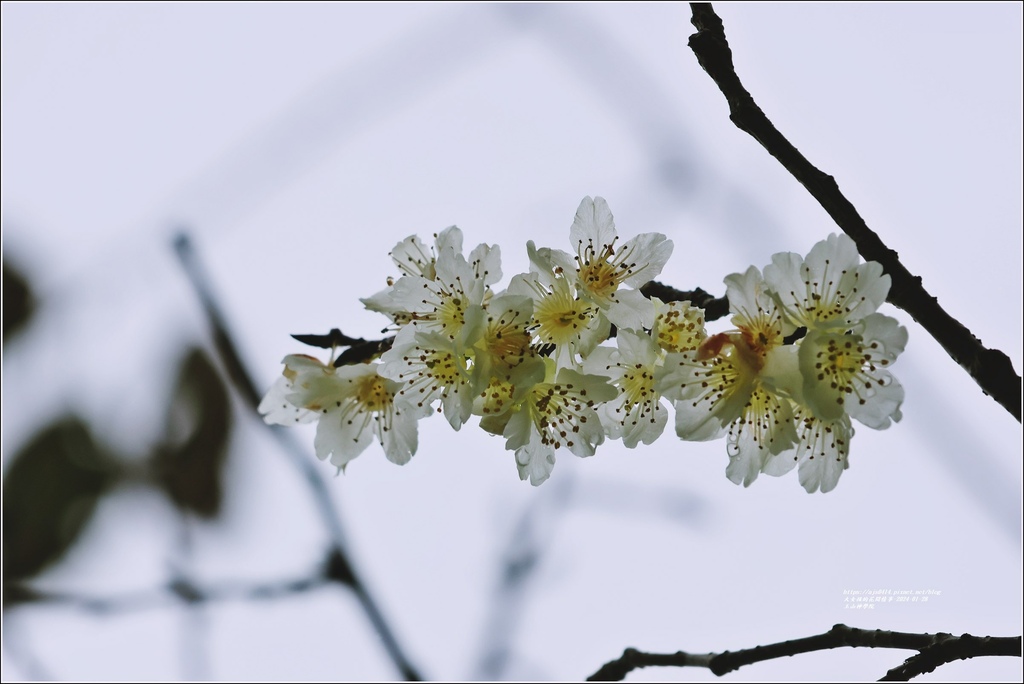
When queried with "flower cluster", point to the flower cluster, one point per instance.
{"points": [[808, 352]]}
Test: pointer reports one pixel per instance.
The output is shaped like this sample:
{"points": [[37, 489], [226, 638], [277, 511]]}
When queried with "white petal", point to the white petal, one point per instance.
{"points": [[780, 464], [696, 423], [457, 404], [868, 287], [837, 253], [590, 436], [542, 264], [485, 261], [449, 240], [709, 394], [784, 279], [596, 332], [647, 255], [401, 440], [781, 372], [824, 449], [523, 285], [887, 332], [558, 262], [381, 302], [535, 461], [766, 429], [277, 410], [637, 348], [746, 459], [603, 361], [413, 257], [593, 224], [342, 440], [518, 429], [883, 406], [645, 427], [630, 309], [407, 293], [752, 306]]}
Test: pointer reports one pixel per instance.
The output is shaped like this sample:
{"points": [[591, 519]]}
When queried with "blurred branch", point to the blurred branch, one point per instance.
{"points": [[340, 567], [934, 650], [990, 368], [179, 589], [533, 535], [530, 539]]}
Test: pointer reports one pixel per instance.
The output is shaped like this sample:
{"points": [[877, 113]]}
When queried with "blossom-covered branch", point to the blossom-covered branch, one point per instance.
{"points": [[808, 352], [990, 368], [933, 650]]}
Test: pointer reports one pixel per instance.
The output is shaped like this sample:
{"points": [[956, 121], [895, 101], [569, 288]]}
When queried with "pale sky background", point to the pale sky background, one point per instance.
{"points": [[298, 143]]}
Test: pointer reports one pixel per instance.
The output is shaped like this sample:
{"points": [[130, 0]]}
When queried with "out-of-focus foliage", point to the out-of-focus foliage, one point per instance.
{"points": [[189, 462], [50, 492], [19, 303]]}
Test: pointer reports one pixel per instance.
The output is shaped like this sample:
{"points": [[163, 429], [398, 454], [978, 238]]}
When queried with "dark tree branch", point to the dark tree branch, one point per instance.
{"points": [[949, 649], [714, 307], [365, 351], [934, 650], [334, 338], [990, 368], [361, 350], [340, 567]]}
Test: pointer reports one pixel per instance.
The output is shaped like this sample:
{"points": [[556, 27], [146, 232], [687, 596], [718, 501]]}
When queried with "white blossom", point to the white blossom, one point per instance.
{"points": [[844, 358], [637, 413], [828, 290], [352, 406], [601, 268], [557, 413], [451, 282], [430, 365], [560, 317], [723, 387]]}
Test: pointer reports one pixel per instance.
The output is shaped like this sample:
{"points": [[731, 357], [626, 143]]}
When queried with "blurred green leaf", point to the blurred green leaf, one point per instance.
{"points": [[50, 492], [190, 463], [18, 303]]}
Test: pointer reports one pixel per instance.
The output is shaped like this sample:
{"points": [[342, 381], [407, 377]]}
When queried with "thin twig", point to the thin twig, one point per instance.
{"points": [[990, 368], [934, 650], [339, 567]]}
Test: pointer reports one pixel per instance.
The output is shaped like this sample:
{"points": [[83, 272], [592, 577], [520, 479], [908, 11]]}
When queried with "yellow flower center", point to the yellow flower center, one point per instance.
{"points": [[372, 394], [497, 397], [450, 313], [600, 278], [680, 329], [637, 386], [560, 318]]}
